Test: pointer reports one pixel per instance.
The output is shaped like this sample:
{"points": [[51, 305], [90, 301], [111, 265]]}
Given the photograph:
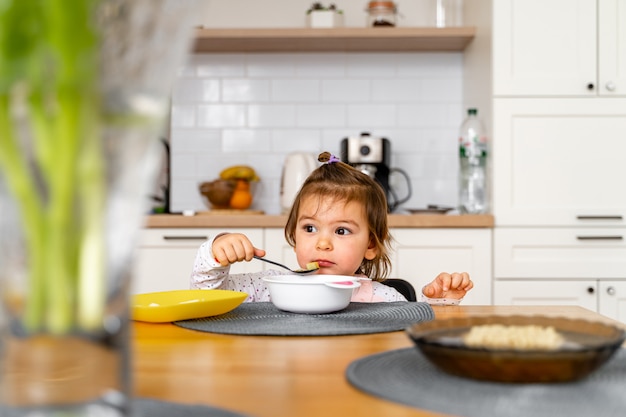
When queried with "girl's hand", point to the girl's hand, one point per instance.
{"points": [[234, 247], [454, 285]]}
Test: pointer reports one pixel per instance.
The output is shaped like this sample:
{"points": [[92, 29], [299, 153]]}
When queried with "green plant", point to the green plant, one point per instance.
{"points": [[319, 6], [51, 157]]}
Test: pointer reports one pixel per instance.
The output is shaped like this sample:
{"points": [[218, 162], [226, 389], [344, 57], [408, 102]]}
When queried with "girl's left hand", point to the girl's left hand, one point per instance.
{"points": [[454, 285]]}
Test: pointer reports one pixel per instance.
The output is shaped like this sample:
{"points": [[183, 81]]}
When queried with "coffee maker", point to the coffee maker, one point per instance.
{"points": [[371, 156]]}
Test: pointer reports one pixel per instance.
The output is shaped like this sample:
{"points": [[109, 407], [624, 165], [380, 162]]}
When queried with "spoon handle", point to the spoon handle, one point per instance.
{"points": [[272, 262], [296, 271]]}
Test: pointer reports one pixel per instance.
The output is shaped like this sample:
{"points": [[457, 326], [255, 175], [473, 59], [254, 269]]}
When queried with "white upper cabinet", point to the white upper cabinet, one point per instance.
{"points": [[559, 162], [559, 47]]}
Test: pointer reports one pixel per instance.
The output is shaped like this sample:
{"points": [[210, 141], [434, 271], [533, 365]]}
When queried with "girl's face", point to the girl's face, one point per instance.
{"points": [[333, 234]]}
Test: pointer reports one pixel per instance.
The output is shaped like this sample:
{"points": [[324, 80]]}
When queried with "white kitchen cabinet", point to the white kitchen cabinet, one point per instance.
{"points": [[560, 253], [607, 297], [612, 299], [563, 266], [165, 256], [559, 162], [559, 47], [277, 248], [419, 255], [547, 292]]}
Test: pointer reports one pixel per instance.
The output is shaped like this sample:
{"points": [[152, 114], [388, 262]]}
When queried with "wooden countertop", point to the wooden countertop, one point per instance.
{"points": [[204, 219], [269, 376]]}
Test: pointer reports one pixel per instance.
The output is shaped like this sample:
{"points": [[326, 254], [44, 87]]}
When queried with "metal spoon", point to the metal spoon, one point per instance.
{"points": [[296, 271]]}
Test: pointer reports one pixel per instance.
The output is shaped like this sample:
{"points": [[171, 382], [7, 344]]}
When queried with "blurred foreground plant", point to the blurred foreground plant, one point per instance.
{"points": [[51, 156]]}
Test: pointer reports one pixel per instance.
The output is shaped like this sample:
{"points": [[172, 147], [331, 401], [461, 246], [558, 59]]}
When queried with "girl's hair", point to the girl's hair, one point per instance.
{"points": [[339, 182]]}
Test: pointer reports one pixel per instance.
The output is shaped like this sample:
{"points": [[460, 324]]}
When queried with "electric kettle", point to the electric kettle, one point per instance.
{"points": [[297, 167]]}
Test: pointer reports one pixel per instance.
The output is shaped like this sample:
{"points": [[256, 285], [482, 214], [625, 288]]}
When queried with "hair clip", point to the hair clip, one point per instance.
{"points": [[328, 158]]}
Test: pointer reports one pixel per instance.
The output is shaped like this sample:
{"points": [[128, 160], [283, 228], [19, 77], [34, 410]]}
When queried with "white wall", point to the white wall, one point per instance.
{"points": [[292, 13], [253, 109]]}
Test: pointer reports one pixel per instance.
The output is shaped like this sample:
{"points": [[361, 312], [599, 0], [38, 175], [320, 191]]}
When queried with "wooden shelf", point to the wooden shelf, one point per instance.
{"points": [[381, 39]]}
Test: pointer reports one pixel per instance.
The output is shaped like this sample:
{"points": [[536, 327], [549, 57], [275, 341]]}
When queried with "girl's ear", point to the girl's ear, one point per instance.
{"points": [[372, 250]]}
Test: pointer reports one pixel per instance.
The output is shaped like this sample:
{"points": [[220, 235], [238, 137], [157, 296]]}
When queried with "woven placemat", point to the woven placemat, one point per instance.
{"points": [[405, 376], [263, 319], [143, 407]]}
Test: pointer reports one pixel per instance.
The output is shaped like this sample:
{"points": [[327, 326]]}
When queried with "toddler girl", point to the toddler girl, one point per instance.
{"points": [[339, 220]]}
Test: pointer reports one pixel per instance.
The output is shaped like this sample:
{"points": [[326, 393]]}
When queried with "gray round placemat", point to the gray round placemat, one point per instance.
{"points": [[263, 319], [407, 377], [145, 407], [155, 408]]}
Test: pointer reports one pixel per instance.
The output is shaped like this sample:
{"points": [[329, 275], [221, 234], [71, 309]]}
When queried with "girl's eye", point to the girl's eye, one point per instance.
{"points": [[309, 229], [342, 231]]}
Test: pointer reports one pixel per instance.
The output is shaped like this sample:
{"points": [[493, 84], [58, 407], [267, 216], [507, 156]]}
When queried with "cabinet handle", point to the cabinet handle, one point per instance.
{"points": [[610, 86], [611, 291], [598, 217], [185, 237], [590, 86], [591, 290], [599, 237]]}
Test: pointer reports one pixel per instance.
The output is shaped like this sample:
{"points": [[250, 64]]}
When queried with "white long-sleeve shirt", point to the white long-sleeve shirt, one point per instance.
{"points": [[209, 274]]}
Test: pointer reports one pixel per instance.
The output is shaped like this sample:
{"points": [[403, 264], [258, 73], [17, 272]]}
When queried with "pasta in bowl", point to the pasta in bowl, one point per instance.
{"points": [[517, 349]]}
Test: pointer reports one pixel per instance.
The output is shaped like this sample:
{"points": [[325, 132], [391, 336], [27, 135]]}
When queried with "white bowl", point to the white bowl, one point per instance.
{"points": [[314, 294]]}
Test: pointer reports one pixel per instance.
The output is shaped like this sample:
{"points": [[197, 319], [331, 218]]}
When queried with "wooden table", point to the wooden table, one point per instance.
{"points": [[280, 376]]}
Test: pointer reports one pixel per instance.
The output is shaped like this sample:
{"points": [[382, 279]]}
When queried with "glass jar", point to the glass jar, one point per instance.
{"points": [[381, 13]]}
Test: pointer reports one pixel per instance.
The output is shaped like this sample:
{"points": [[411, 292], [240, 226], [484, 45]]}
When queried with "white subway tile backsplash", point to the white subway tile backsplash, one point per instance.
{"points": [[441, 90], [345, 91], [370, 65], [371, 115], [200, 90], [296, 140], [431, 65], [183, 115], [246, 140], [320, 65], [254, 109], [194, 140], [246, 90], [184, 165], [397, 90], [421, 115], [270, 65], [220, 65], [320, 115], [271, 115], [221, 115], [296, 91]]}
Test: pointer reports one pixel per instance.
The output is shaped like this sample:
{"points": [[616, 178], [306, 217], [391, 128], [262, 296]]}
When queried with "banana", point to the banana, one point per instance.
{"points": [[239, 172]]}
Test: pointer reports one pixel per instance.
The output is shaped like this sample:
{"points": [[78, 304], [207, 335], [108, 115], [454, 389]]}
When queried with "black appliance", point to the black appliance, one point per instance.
{"points": [[371, 155]]}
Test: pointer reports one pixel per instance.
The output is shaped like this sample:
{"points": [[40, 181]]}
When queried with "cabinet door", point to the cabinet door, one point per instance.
{"points": [[568, 253], [549, 292], [612, 47], [612, 299], [544, 47], [419, 255], [559, 162], [165, 257], [277, 249]]}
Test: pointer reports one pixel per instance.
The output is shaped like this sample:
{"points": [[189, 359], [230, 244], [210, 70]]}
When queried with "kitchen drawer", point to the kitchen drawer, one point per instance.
{"points": [[547, 292], [606, 296], [569, 253], [419, 255], [165, 256]]}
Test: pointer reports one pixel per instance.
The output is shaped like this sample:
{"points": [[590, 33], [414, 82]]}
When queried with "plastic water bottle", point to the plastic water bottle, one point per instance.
{"points": [[473, 197]]}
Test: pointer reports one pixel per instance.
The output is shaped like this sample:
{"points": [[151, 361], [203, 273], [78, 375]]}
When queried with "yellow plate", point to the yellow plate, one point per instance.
{"points": [[168, 306]]}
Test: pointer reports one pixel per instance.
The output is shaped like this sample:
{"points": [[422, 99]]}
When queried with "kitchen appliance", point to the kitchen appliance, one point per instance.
{"points": [[371, 155], [297, 167]]}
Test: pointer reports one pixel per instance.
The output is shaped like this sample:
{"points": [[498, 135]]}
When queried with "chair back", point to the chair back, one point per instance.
{"points": [[403, 287]]}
